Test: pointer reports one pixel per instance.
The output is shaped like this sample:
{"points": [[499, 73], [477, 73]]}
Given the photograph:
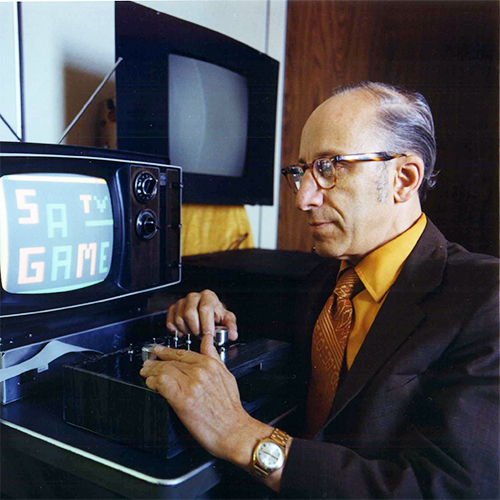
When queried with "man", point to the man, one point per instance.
{"points": [[410, 407]]}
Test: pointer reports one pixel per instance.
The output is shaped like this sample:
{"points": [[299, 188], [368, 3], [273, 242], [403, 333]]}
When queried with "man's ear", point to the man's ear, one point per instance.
{"points": [[408, 177]]}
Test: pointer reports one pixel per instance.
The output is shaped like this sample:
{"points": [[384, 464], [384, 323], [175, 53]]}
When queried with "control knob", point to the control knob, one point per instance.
{"points": [[145, 186], [146, 224], [221, 337]]}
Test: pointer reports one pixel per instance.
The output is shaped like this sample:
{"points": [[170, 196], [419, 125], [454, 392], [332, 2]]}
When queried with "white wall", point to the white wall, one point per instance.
{"points": [[268, 237], [68, 47], [9, 73]]}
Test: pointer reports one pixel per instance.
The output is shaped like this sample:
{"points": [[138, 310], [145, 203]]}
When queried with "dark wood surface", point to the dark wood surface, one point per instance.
{"points": [[448, 50], [141, 250], [106, 395]]}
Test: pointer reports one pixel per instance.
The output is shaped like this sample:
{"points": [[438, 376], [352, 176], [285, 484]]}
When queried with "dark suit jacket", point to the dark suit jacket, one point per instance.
{"points": [[416, 416]]}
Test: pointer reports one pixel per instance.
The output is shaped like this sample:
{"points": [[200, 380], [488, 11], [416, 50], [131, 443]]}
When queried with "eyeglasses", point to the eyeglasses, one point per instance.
{"points": [[324, 170]]}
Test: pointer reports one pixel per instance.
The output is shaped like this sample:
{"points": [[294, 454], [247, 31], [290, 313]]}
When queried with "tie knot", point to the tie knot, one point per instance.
{"points": [[346, 284]]}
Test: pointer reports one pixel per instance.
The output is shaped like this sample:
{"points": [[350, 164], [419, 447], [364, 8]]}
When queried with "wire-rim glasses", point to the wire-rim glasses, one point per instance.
{"points": [[324, 170]]}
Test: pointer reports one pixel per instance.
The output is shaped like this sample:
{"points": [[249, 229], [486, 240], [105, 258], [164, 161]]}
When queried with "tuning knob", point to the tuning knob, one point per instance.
{"points": [[145, 225], [145, 186]]}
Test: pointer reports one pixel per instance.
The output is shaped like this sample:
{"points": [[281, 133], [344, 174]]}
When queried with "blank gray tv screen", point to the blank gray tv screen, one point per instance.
{"points": [[207, 117]]}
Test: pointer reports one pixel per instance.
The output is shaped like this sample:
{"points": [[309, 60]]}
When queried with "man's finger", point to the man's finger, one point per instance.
{"points": [[207, 346], [169, 354], [220, 315], [229, 320], [170, 321], [175, 320], [168, 382], [191, 312], [209, 304]]}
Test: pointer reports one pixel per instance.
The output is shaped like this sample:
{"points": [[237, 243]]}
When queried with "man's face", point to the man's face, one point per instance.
{"points": [[353, 218]]}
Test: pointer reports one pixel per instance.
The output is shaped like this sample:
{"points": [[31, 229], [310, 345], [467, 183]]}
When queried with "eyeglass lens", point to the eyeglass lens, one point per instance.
{"points": [[323, 171], [294, 177]]}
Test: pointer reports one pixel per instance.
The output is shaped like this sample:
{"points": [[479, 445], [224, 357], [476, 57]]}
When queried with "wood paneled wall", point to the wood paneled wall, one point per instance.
{"points": [[448, 50]]}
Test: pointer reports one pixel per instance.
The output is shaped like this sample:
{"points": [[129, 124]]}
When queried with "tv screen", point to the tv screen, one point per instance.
{"points": [[208, 117], [56, 232], [84, 226], [199, 98]]}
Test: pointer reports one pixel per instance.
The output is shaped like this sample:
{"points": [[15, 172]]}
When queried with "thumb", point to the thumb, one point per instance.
{"points": [[207, 346]]}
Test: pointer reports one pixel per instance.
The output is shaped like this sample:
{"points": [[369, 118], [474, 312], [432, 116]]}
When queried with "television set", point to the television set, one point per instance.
{"points": [[82, 227], [202, 99]]}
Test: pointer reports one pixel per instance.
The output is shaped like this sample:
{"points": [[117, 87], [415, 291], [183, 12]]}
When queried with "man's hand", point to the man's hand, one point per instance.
{"points": [[198, 313], [205, 397]]}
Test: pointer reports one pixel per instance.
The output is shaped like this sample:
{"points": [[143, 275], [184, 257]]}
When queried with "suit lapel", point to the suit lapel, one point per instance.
{"points": [[399, 315]]}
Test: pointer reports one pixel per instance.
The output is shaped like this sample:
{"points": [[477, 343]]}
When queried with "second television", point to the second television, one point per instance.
{"points": [[199, 98]]}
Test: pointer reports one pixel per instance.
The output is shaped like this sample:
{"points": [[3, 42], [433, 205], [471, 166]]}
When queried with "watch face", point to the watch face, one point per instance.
{"points": [[270, 455]]}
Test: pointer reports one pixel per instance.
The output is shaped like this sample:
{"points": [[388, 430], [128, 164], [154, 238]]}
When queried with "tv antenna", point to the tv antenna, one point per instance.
{"points": [[10, 128], [92, 97]]}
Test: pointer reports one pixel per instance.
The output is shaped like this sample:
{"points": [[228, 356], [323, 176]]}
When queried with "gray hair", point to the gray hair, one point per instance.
{"points": [[406, 120]]}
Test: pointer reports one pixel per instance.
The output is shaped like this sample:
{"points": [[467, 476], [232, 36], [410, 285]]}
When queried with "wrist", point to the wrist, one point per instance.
{"points": [[242, 446], [244, 440], [269, 457]]}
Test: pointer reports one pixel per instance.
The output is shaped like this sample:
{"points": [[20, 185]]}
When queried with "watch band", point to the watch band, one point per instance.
{"points": [[280, 438]]}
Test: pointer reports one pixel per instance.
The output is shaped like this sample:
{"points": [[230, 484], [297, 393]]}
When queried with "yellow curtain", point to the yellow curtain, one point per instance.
{"points": [[214, 228]]}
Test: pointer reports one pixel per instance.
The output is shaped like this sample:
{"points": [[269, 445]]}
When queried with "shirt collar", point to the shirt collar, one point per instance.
{"points": [[379, 270]]}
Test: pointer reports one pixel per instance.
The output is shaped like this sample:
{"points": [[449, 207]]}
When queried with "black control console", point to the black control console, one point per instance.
{"points": [[105, 394]]}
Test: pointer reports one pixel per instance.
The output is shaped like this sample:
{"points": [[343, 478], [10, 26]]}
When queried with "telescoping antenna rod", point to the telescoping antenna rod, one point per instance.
{"points": [[92, 97], [10, 128]]}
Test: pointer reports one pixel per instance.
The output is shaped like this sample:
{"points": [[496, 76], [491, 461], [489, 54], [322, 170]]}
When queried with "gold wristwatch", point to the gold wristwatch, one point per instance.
{"points": [[269, 454]]}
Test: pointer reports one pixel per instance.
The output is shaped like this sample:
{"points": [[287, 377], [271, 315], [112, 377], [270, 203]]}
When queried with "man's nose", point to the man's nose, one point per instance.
{"points": [[309, 195]]}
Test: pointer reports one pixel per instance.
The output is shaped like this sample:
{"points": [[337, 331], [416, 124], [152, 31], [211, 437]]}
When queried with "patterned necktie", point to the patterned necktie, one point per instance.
{"points": [[328, 346]]}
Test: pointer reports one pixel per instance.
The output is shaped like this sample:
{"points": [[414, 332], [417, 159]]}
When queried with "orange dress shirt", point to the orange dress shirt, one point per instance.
{"points": [[378, 271]]}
